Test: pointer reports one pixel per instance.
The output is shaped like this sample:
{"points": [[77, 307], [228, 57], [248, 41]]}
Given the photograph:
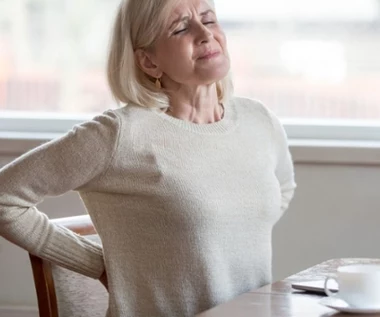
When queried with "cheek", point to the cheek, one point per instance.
{"points": [[220, 36], [179, 51], [223, 42], [176, 53]]}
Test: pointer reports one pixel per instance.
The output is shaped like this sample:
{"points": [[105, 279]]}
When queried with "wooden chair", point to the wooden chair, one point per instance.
{"points": [[63, 293]]}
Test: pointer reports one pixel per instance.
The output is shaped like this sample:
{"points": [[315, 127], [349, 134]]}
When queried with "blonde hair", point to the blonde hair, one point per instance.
{"points": [[137, 26]]}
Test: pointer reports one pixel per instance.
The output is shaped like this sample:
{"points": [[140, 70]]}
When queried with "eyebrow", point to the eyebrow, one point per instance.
{"points": [[186, 18]]}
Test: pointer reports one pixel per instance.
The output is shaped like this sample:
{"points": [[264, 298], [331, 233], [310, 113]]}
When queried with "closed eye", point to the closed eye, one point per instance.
{"points": [[185, 29], [180, 31]]}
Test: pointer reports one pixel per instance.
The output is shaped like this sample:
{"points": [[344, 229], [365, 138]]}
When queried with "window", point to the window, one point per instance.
{"points": [[53, 53], [307, 60]]}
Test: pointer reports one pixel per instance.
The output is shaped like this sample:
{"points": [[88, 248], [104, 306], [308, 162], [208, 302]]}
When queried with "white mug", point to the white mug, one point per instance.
{"points": [[359, 285]]}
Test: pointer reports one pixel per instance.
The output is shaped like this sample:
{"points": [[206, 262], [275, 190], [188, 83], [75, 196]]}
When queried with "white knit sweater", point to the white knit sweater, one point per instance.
{"points": [[185, 211]]}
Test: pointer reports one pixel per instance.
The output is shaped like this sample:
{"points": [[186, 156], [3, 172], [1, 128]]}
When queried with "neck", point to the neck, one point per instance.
{"points": [[198, 105]]}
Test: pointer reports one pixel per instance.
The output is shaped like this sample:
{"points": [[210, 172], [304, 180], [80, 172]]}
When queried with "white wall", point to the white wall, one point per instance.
{"points": [[335, 213]]}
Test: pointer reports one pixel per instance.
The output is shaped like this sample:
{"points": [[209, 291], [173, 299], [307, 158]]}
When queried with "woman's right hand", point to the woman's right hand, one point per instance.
{"points": [[103, 279]]}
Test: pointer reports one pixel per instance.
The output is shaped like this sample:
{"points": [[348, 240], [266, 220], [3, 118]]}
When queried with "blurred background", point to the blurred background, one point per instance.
{"points": [[308, 60], [304, 59]]}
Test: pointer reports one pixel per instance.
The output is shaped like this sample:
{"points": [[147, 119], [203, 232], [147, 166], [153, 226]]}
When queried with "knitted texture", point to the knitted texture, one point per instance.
{"points": [[185, 211]]}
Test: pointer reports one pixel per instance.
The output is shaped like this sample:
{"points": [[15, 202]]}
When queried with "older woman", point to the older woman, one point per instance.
{"points": [[184, 183]]}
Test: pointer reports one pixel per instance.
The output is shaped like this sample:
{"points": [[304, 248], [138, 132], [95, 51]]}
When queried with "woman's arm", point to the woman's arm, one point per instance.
{"points": [[284, 164], [52, 169]]}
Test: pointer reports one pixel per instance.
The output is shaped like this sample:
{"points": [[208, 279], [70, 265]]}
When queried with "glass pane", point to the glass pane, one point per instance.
{"points": [[303, 58], [307, 59], [52, 55]]}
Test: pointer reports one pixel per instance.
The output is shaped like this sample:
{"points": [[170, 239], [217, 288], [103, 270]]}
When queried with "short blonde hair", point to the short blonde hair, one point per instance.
{"points": [[137, 26]]}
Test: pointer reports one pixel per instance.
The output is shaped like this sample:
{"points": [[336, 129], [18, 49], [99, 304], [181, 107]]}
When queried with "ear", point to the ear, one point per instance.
{"points": [[146, 64]]}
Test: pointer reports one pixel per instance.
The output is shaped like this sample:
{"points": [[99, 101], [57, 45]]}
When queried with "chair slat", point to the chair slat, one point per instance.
{"points": [[42, 271]]}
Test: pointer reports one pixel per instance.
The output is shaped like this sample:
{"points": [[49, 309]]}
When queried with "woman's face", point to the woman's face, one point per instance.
{"points": [[192, 50]]}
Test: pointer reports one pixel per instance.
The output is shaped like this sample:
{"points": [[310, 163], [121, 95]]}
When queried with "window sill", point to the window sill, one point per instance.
{"points": [[304, 151], [17, 143], [339, 152]]}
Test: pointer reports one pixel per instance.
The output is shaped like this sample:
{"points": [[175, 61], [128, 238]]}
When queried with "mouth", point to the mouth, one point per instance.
{"points": [[209, 55]]}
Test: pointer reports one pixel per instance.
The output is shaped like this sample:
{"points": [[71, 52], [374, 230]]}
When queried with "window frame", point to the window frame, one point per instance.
{"points": [[332, 142], [30, 123]]}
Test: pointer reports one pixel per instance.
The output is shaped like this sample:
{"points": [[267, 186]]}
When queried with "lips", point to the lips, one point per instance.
{"points": [[209, 54]]}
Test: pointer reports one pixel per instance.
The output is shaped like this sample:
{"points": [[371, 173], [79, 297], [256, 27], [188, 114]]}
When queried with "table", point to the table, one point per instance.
{"points": [[280, 300]]}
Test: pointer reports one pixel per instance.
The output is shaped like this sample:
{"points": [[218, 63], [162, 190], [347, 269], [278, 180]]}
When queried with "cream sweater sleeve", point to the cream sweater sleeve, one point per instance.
{"points": [[284, 163], [52, 169]]}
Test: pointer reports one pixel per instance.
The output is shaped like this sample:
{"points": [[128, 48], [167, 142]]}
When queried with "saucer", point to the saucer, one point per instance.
{"points": [[342, 306]]}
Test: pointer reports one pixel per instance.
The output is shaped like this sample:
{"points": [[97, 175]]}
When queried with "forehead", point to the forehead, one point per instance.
{"points": [[182, 7]]}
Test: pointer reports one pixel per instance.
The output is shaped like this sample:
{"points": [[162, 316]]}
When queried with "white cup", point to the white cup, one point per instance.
{"points": [[359, 285]]}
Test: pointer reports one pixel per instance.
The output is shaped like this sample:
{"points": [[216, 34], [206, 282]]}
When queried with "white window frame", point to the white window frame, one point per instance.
{"points": [[39, 122], [311, 141], [29, 123]]}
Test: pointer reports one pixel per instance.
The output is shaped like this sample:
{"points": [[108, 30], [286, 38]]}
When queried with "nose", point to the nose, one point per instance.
{"points": [[204, 34]]}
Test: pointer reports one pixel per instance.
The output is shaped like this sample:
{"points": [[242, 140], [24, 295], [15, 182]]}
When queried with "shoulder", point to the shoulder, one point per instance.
{"points": [[248, 103], [100, 129], [256, 109], [120, 124], [257, 115], [109, 120]]}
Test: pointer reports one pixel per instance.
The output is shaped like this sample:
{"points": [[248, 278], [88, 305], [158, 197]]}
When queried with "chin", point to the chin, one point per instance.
{"points": [[215, 75], [217, 72]]}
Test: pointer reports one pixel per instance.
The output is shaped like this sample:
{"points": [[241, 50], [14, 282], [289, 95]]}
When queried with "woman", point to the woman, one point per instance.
{"points": [[183, 184]]}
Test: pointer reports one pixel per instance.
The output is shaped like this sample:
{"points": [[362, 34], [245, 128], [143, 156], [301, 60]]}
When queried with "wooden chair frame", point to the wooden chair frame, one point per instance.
{"points": [[42, 272]]}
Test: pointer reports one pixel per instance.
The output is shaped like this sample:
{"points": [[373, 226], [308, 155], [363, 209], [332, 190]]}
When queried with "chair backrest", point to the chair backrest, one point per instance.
{"points": [[63, 293]]}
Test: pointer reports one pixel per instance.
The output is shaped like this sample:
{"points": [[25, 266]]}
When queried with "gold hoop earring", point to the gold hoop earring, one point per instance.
{"points": [[158, 83]]}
